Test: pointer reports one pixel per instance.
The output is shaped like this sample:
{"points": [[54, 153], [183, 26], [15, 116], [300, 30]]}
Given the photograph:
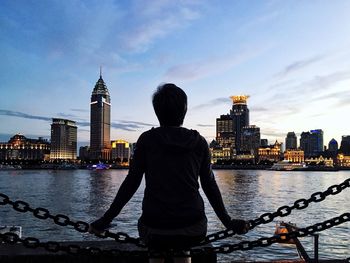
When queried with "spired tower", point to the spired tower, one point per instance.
{"points": [[100, 121], [240, 117]]}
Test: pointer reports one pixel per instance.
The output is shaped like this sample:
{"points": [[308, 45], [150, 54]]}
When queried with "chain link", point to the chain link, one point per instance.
{"points": [[53, 246], [80, 226]]}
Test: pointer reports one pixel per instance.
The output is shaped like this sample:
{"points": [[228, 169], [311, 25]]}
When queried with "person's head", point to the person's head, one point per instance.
{"points": [[170, 104]]}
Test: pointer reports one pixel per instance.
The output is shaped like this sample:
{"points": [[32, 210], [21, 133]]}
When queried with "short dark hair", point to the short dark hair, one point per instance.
{"points": [[170, 104]]}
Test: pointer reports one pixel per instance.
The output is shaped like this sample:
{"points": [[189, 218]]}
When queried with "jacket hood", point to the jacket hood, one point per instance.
{"points": [[177, 139]]}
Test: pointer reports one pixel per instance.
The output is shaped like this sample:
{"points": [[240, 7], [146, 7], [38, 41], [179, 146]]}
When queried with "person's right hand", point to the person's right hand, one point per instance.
{"points": [[239, 226]]}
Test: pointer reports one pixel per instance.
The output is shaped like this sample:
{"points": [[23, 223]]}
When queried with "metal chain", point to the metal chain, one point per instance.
{"points": [[282, 211], [63, 220], [83, 227], [52, 246]]}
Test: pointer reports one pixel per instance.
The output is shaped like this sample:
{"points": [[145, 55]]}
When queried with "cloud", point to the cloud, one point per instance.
{"points": [[205, 125], [211, 65], [152, 20], [212, 103], [298, 65], [23, 115], [80, 110], [121, 124]]}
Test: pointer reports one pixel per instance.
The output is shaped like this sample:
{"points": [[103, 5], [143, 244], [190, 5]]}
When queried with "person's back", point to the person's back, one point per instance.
{"points": [[172, 159]]}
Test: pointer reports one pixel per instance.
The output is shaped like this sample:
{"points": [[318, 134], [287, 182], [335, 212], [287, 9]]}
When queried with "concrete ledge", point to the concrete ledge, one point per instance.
{"points": [[17, 253]]}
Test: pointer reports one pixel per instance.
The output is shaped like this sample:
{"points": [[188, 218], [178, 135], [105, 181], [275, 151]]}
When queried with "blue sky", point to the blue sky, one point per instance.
{"points": [[291, 57]]}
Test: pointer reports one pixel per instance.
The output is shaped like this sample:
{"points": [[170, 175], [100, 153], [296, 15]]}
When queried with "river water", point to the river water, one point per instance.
{"points": [[85, 195]]}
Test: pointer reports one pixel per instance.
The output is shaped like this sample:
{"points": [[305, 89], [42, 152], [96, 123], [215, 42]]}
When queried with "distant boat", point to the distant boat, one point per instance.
{"points": [[98, 166], [287, 166]]}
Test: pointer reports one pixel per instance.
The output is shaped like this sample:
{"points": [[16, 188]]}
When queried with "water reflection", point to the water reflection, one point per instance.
{"points": [[85, 195]]}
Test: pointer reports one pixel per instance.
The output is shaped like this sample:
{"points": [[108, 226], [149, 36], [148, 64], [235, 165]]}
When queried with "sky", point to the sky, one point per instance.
{"points": [[291, 57]]}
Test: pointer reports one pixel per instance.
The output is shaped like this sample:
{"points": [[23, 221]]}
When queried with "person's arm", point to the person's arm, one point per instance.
{"points": [[213, 194], [127, 189]]}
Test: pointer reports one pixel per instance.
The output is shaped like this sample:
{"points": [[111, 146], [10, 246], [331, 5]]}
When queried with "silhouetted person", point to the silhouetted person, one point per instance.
{"points": [[172, 158]]}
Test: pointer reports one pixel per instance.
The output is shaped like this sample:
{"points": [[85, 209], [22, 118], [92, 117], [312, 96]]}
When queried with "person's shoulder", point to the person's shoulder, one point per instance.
{"points": [[197, 136], [146, 135]]}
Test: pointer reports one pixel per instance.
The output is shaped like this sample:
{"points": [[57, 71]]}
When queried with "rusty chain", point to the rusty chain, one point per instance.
{"points": [[53, 246], [121, 237]]}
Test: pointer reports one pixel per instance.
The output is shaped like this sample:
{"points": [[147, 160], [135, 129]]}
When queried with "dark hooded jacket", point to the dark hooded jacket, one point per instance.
{"points": [[172, 159]]}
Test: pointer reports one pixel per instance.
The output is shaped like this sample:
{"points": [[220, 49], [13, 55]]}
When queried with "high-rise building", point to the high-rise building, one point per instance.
{"points": [[312, 142], [291, 141], [333, 146], [250, 139], [264, 142], [224, 131], [100, 122], [63, 139], [345, 145], [240, 116]]}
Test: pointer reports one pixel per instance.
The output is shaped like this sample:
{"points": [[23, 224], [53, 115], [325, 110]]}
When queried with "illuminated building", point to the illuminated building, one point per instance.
{"points": [[343, 160], [271, 153], [250, 139], [312, 143], [63, 139], [345, 145], [224, 131], [291, 141], [100, 122], [319, 161], [220, 154], [121, 151], [240, 116], [21, 148], [294, 155]]}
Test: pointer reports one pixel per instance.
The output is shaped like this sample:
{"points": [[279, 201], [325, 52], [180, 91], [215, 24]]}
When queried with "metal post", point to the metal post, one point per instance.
{"points": [[316, 247]]}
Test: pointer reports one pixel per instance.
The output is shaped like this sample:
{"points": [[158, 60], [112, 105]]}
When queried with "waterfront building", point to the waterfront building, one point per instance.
{"points": [[100, 122], [63, 139], [343, 160], [271, 153], [20, 148], [333, 147], [121, 151], [220, 154], [345, 145], [291, 141], [312, 143], [319, 161], [250, 139], [224, 131], [294, 155], [240, 116]]}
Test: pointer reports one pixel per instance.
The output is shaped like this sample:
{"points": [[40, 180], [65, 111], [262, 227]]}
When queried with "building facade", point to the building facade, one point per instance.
{"points": [[312, 143], [291, 141], [224, 131], [63, 139], [240, 116], [294, 155], [250, 139], [20, 148], [100, 122], [121, 151], [345, 145], [271, 153]]}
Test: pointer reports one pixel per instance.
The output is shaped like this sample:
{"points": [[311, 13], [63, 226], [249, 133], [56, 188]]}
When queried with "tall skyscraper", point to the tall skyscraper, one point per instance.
{"points": [[240, 117], [333, 146], [100, 122], [63, 139], [312, 143], [345, 145], [250, 139], [291, 141], [224, 131]]}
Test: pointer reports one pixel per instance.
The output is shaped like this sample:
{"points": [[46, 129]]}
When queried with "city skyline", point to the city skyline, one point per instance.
{"points": [[292, 58]]}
